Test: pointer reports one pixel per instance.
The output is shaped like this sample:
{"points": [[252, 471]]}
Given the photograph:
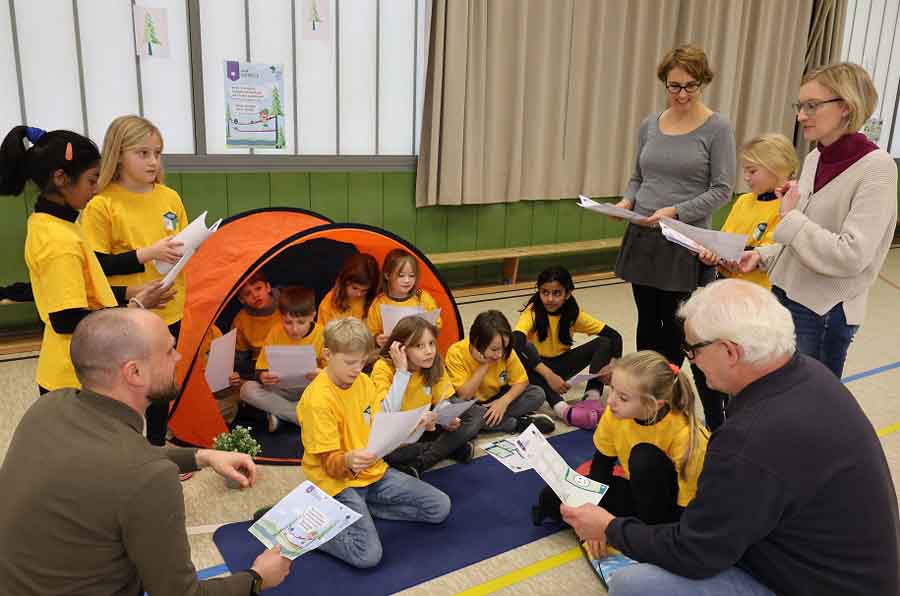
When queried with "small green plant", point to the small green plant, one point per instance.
{"points": [[240, 440]]}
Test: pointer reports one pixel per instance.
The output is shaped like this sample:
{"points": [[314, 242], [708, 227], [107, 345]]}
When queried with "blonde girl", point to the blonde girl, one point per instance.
{"points": [[399, 287]]}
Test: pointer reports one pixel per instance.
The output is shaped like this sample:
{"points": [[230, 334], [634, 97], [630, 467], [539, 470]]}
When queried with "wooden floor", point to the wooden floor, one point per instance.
{"points": [[549, 566]]}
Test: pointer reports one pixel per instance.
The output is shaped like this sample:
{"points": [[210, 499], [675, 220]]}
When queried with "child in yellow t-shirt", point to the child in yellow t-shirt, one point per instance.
{"points": [[297, 307], [410, 374], [650, 428], [66, 278], [543, 339], [354, 290], [253, 322], [337, 411], [484, 367], [768, 162], [399, 287]]}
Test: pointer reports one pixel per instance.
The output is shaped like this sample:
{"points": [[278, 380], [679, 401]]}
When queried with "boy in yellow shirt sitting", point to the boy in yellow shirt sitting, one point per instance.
{"points": [[253, 322], [337, 411], [297, 308]]}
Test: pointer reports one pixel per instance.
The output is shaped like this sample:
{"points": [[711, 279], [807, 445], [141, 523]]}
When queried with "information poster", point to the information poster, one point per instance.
{"points": [[254, 113]]}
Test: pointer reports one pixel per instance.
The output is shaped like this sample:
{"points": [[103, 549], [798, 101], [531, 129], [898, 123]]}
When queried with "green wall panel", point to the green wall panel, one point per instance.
{"points": [[247, 192], [173, 181], [544, 229], [328, 194], [462, 227], [289, 189], [490, 226], [519, 218], [13, 214], [431, 229], [399, 201], [568, 221], [365, 200], [205, 192]]}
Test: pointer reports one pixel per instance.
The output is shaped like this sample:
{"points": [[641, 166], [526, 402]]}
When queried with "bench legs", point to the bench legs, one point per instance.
{"points": [[510, 270]]}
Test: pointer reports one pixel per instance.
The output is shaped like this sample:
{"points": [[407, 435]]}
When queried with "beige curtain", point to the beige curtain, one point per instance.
{"points": [[542, 99], [826, 36]]}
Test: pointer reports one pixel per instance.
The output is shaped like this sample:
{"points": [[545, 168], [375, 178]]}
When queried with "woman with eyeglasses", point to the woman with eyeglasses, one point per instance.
{"points": [[837, 221], [685, 169]]}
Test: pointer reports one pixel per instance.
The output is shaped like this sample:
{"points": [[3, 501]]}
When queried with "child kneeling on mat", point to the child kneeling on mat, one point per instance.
{"points": [[649, 426], [336, 412], [410, 374]]}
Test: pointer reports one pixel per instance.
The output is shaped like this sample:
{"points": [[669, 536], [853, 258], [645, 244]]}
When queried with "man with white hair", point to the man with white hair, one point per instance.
{"points": [[795, 496], [89, 507]]}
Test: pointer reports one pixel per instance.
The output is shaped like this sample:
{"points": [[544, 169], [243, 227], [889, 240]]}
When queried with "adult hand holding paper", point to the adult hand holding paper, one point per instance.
{"points": [[190, 238]]}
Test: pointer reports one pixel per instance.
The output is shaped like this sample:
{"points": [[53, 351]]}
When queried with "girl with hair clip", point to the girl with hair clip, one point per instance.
{"points": [[410, 374], [399, 287], [66, 278], [650, 428], [354, 290], [131, 222], [543, 339]]}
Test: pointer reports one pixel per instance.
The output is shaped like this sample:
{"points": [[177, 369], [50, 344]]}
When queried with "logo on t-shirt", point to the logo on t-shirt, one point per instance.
{"points": [[170, 221], [503, 377], [367, 415], [760, 231]]}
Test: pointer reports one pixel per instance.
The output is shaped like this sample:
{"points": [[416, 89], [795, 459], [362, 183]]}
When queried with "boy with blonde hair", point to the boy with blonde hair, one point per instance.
{"points": [[336, 412]]}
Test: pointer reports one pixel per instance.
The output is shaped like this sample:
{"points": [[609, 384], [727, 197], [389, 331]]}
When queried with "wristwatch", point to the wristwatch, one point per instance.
{"points": [[256, 586]]}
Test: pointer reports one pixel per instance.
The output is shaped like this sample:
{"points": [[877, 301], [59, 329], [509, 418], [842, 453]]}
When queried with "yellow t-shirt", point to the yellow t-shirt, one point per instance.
{"points": [[757, 219], [329, 312], [615, 438], [337, 419], [417, 394], [277, 336], [461, 366], [252, 330], [64, 273], [423, 301], [551, 346], [117, 221]]}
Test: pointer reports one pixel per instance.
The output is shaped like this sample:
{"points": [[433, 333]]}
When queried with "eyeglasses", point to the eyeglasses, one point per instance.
{"points": [[690, 350], [676, 88], [812, 106]]}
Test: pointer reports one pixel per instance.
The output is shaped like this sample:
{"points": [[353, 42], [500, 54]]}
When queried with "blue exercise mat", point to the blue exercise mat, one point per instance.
{"points": [[491, 514]]}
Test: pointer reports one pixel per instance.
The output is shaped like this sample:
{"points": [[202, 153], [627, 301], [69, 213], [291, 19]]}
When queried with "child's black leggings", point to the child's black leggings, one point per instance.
{"points": [[650, 494]]}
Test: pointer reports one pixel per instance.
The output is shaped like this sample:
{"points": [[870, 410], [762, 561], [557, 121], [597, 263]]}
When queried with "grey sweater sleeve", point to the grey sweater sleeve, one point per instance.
{"points": [[722, 170], [634, 183]]}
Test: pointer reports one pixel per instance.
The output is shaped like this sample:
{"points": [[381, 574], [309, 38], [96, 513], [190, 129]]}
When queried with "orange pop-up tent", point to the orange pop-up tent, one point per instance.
{"points": [[291, 246]]}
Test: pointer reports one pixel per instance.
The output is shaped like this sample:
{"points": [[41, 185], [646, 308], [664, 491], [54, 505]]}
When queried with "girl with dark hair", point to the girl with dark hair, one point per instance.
{"points": [[66, 278], [409, 374], [543, 338], [354, 290]]}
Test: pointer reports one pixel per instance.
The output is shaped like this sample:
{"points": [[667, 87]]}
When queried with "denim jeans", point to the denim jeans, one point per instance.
{"points": [[396, 497], [645, 579], [824, 337]]}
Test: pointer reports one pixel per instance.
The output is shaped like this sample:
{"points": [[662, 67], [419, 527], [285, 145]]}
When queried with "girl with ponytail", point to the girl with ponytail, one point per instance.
{"points": [[650, 428], [66, 277]]}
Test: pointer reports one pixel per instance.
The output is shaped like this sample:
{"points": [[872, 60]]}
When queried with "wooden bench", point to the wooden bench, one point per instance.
{"points": [[510, 256]]}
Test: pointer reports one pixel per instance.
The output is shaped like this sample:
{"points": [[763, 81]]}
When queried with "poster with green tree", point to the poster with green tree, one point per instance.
{"points": [[151, 31]]}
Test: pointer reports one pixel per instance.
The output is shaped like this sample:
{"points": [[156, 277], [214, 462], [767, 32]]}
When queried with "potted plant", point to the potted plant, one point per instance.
{"points": [[239, 440]]}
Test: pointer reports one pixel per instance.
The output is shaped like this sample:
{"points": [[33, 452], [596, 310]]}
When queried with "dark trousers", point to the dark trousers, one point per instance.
{"points": [[651, 494], [438, 444], [157, 414], [660, 330], [595, 354]]}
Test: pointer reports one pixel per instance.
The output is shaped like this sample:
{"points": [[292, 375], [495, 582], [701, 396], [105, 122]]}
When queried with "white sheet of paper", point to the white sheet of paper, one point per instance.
{"points": [[220, 363], [581, 378], [291, 364], [392, 429], [302, 521], [391, 315], [572, 488], [506, 452], [447, 410], [172, 274], [607, 209], [191, 237], [728, 246]]}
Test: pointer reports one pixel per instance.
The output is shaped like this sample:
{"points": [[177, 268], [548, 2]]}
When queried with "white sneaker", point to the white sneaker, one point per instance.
{"points": [[274, 422]]}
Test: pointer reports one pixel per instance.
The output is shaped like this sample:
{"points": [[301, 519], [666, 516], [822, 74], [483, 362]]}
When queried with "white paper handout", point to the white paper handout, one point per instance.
{"points": [[506, 452], [607, 209], [220, 363], [391, 315], [581, 378], [303, 521], [392, 429], [728, 246], [291, 364], [572, 488], [191, 238], [448, 410]]}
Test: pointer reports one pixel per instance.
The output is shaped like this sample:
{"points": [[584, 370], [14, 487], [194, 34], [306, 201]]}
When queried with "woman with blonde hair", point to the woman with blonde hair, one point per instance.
{"points": [[837, 220], [131, 222]]}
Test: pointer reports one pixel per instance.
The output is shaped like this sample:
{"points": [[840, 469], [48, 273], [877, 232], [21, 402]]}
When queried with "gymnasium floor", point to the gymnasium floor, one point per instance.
{"points": [[552, 565]]}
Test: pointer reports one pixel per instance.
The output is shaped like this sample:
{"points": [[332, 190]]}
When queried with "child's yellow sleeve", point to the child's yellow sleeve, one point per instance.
{"points": [[96, 223], [428, 303], [373, 320], [515, 372], [604, 435], [585, 323], [525, 324], [456, 368], [382, 377]]}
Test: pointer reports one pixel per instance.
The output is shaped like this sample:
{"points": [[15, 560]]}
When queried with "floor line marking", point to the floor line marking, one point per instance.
{"points": [[523, 573]]}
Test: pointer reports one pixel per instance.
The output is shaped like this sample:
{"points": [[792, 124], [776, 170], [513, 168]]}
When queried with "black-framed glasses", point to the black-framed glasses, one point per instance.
{"points": [[812, 106], [676, 88], [690, 350]]}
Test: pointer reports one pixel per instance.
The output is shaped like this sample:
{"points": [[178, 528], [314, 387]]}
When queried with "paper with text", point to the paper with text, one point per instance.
{"points": [[291, 364], [507, 453]]}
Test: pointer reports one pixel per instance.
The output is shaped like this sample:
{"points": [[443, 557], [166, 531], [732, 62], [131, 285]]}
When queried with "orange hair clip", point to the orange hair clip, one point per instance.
{"points": [[68, 151], [675, 370]]}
